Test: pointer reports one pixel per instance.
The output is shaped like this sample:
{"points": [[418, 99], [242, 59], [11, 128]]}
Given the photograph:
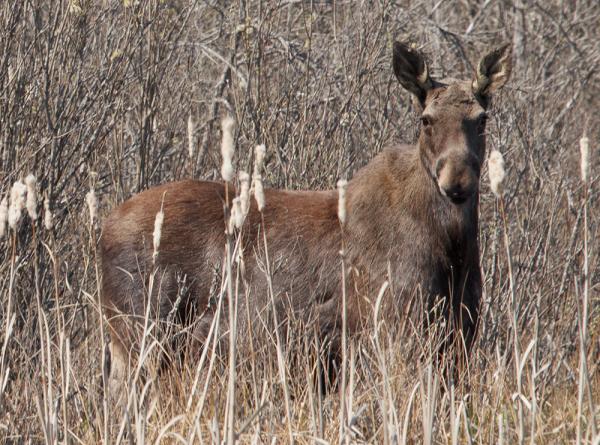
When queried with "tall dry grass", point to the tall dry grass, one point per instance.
{"points": [[116, 96]]}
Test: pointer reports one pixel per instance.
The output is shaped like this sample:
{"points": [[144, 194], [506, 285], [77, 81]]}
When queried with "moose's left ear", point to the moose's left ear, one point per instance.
{"points": [[493, 71]]}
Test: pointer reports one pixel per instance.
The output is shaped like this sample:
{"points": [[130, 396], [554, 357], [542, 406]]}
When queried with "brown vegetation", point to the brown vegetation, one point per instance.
{"points": [[109, 98]]}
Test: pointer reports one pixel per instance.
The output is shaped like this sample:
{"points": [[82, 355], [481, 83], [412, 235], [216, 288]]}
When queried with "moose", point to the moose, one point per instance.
{"points": [[411, 220]]}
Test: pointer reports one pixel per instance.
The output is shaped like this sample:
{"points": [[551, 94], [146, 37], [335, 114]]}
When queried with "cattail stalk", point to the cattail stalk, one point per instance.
{"points": [[232, 310], [497, 175], [584, 384], [227, 172]]}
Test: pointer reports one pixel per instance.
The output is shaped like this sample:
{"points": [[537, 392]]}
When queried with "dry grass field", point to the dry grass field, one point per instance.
{"points": [[114, 97]]}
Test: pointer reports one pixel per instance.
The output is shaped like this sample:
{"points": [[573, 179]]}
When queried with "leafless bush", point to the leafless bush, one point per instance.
{"points": [[116, 96]]}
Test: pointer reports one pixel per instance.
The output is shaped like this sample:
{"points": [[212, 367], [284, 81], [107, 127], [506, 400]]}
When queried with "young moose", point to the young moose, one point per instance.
{"points": [[412, 220]]}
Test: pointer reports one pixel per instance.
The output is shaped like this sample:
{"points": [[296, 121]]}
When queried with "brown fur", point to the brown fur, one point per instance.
{"points": [[412, 220]]}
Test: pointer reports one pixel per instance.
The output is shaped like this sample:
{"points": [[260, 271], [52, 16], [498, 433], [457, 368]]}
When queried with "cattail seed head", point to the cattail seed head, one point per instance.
{"points": [[259, 193], [244, 192], [227, 148], [92, 202], [48, 222], [342, 184], [191, 133], [17, 204], [31, 197], [259, 159], [3, 216], [584, 147], [158, 222], [496, 172], [236, 219]]}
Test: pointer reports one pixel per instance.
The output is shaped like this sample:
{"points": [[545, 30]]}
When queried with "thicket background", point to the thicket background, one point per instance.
{"points": [[99, 94]]}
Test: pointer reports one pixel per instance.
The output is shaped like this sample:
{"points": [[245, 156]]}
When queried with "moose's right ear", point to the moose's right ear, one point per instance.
{"points": [[411, 71]]}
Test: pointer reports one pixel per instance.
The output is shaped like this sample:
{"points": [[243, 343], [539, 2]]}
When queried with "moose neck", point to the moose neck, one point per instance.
{"points": [[395, 190], [455, 220]]}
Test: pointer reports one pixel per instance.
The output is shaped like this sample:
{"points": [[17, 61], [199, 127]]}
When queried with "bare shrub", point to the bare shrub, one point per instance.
{"points": [[109, 87]]}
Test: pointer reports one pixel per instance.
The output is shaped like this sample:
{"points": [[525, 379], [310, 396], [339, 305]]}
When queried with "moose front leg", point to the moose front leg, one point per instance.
{"points": [[465, 308]]}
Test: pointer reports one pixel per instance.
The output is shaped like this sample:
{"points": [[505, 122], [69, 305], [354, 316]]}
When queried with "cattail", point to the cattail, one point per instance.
{"points": [[236, 219], [92, 203], [48, 223], [496, 172], [158, 222], [191, 133], [227, 148], [3, 216], [31, 197], [342, 184], [584, 147], [17, 203], [244, 192], [259, 193], [259, 159]]}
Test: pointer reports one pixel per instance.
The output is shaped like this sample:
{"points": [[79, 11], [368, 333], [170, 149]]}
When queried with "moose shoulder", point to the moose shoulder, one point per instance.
{"points": [[412, 220]]}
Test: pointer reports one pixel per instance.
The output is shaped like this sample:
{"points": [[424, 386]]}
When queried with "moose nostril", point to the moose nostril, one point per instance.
{"points": [[454, 192], [457, 194]]}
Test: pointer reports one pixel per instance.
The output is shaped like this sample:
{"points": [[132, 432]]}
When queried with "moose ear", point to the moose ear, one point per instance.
{"points": [[411, 71], [493, 71]]}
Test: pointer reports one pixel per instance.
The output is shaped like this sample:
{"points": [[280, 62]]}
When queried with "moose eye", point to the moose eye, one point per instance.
{"points": [[426, 121]]}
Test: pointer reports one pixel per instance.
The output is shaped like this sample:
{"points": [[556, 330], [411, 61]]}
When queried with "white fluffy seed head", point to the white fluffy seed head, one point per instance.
{"points": [[48, 220], [31, 197], [496, 172], [342, 184], [191, 133], [259, 193], [3, 216], [227, 148], [92, 203], [158, 222], [584, 148], [17, 203], [244, 192], [236, 219], [259, 159]]}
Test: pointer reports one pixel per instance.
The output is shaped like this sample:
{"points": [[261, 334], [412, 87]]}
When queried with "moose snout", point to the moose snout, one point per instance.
{"points": [[457, 178], [457, 193]]}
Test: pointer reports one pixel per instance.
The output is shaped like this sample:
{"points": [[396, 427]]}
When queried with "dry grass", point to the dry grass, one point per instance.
{"points": [[116, 95]]}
